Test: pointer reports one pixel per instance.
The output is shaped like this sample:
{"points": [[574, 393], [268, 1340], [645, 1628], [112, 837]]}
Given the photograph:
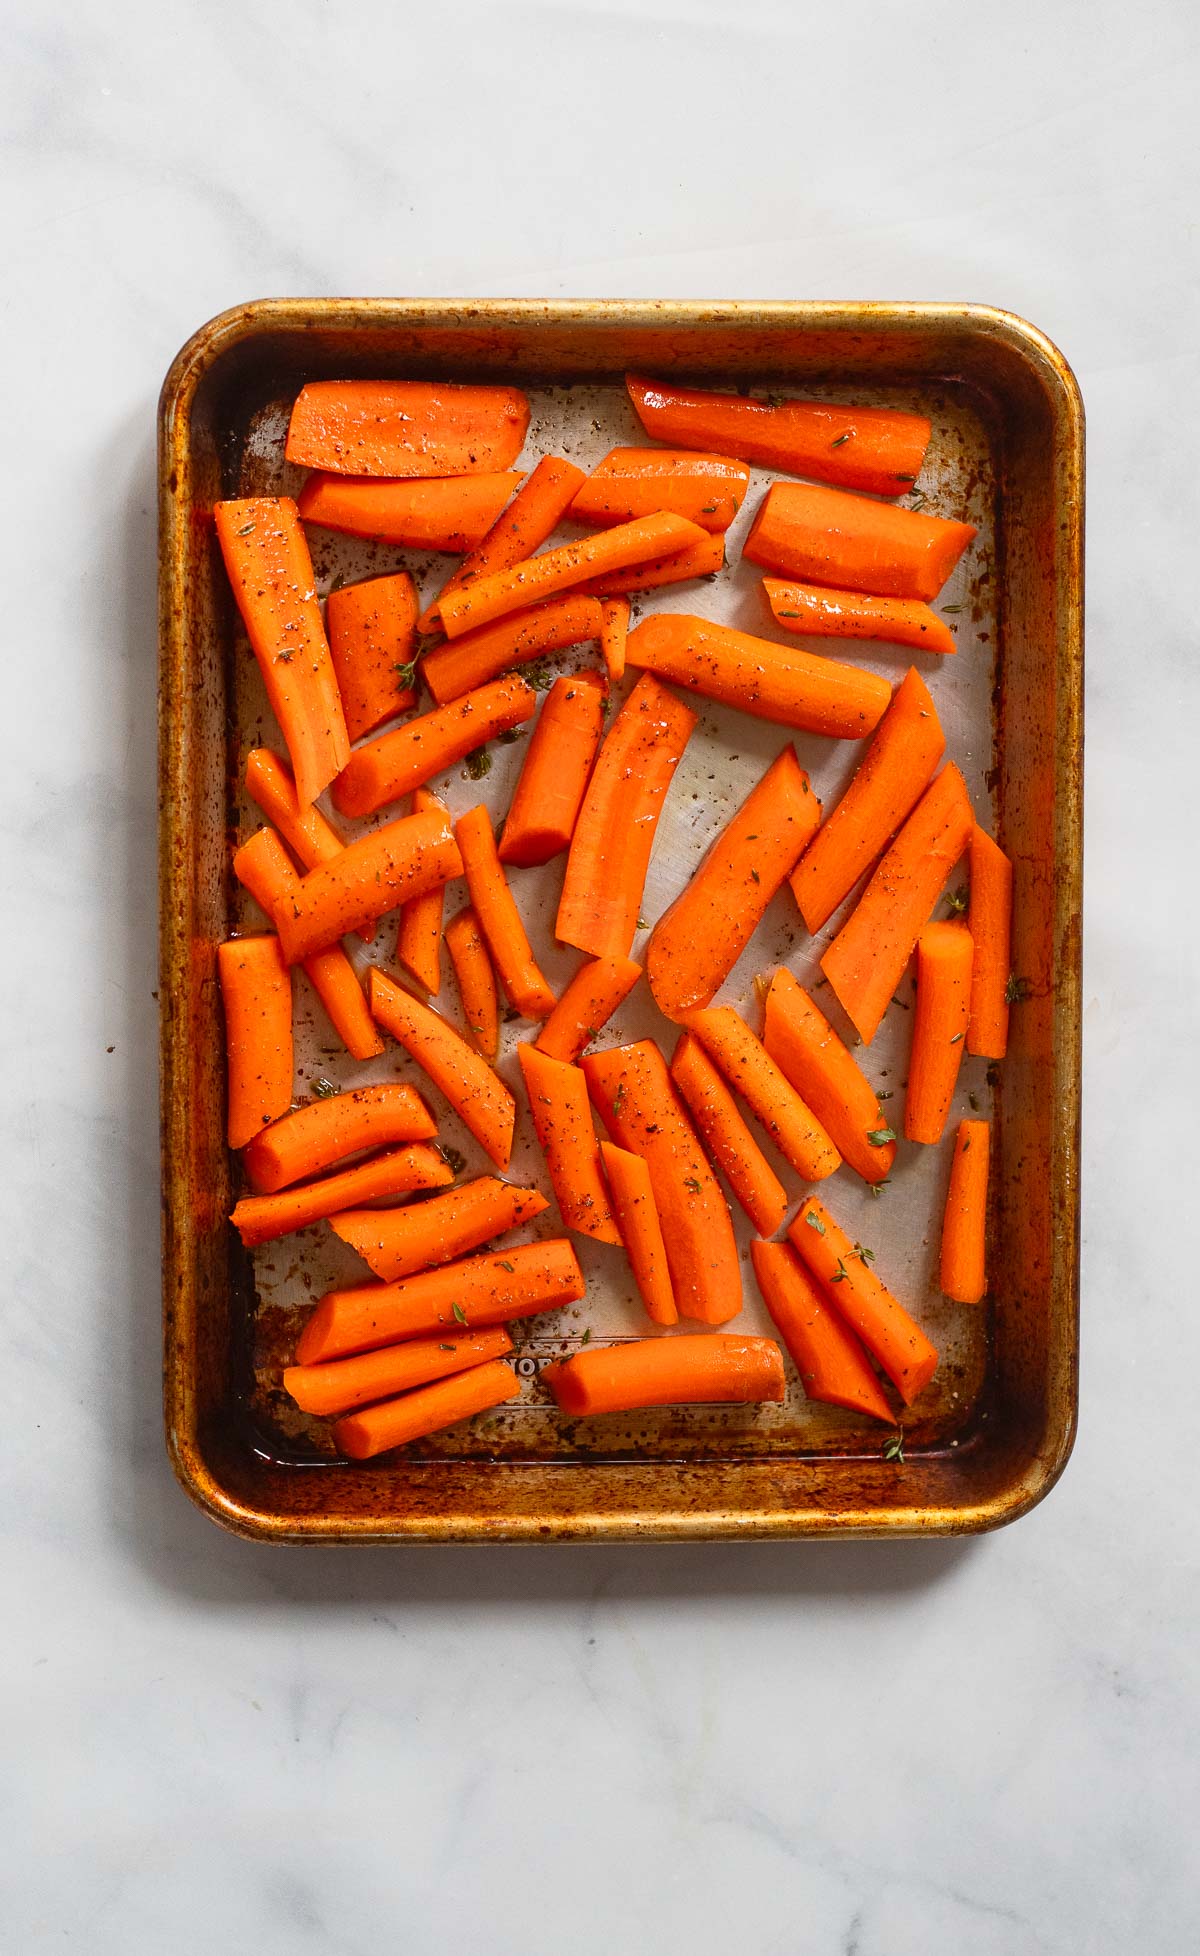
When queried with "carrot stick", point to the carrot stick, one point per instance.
{"points": [[586, 1005], [498, 917], [271, 572], [520, 529], [263, 866], [419, 938], [964, 1226], [451, 514], [990, 921], [306, 1142], [260, 1218], [562, 1120], [696, 943], [726, 1136], [815, 609], [383, 869], [944, 954], [705, 1369], [641, 1232], [774, 682], [326, 1390], [825, 537], [894, 774], [256, 992], [489, 1289], [558, 764], [372, 634], [376, 1429], [476, 981], [614, 634], [827, 1077], [632, 482], [832, 1364], [396, 1242], [481, 1100], [703, 558], [395, 763], [877, 449], [557, 570], [614, 835], [867, 958], [751, 1072], [844, 1271], [635, 1098], [308, 835], [406, 427], [484, 654]]}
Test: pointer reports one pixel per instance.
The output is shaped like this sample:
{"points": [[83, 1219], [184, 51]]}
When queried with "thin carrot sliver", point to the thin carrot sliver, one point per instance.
{"points": [[773, 682], [943, 1009], [256, 992], [326, 1390], [520, 529], [306, 1142], [632, 482], [476, 981], [963, 1271], [397, 762], [419, 936], [636, 1213], [587, 1005], [394, 1423], [260, 1218], [885, 1327], [729, 1141], [827, 1077], [406, 428], [561, 569], [700, 1369], [826, 613], [832, 1364], [562, 1120], [395, 1243], [767, 1091], [823, 536], [482, 1101], [262, 864], [498, 917], [990, 922]]}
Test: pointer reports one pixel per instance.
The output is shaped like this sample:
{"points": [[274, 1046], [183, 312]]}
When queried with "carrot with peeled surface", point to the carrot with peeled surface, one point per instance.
{"points": [[767, 1091], [310, 837], [820, 610], [558, 570], [419, 937], [306, 1142], [587, 1005], [703, 558], [717, 1368], [406, 427], [827, 1077], [632, 482], [895, 771], [696, 943], [725, 1134], [395, 1243], [256, 992], [558, 764], [774, 682], [396, 763], [614, 636], [266, 557], [562, 1121], [614, 834], [522, 526], [636, 1216], [823, 536], [482, 1101], [326, 1390], [395, 1422], [498, 917], [260, 1218], [476, 981], [832, 1364], [492, 650], [451, 514], [963, 1272], [989, 920], [883, 1324], [944, 953], [372, 630], [381, 870]]}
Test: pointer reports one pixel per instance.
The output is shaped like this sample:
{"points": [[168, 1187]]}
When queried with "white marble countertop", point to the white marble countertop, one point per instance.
{"points": [[880, 1750]]}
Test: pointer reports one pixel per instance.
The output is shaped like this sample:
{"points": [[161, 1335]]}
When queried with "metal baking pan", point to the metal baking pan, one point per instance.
{"points": [[993, 1431]]}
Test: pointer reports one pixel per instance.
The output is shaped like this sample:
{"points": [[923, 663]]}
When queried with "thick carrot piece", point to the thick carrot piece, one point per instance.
{"points": [[632, 482], [256, 992], [990, 922], [896, 769], [697, 1370], [558, 570], [372, 630], [419, 937], [883, 1324], [696, 943], [473, 1292], [498, 917], [520, 529], [636, 1214], [451, 514], [306, 1142], [704, 558], [635, 1098], [587, 1005], [944, 954], [395, 1243], [614, 835], [470, 662], [383, 869], [614, 636], [825, 537], [819, 610], [774, 682], [458, 1070], [327, 1390], [377, 1429], [476, 981], [827, 1077], [964, 1225], [867, 958], [557, 768], [562, 1121], [271, 572], [832, 1364], [726, 1136], [260, 1218], [406, 427], [767, 1091], [877, 449], [398, 762]]}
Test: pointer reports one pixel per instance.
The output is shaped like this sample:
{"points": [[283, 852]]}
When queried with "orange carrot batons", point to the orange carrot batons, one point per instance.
{"points": [[381, 870], [306, 831], [752, 1073], [990, 923], [372, 630], [944, 953], [486, 653], [702, 1369], [587, 1005], [845, 1273], [498, 917], [260, 1218], [632, 482], [774, 682], [476, 981], [325, 1390], [562, 569], [636, 1214], [703, 558], [271, 572], [396, 1242], [817, 609], [451, 513], [696, 943], [827, 1077], [419, 937], [458, 1070], [729, 1141], [614, 835], [306, 1142], [256, 991], [823, 536], [376, 1429], [832, 1364], [406, 428], [562, 1120], [964, 1226], [396, 763], [558, 765], [522, 526], [614, 636]]}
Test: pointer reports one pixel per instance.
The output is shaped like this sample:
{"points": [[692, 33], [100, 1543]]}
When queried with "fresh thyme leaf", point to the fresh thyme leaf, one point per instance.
{"points": [[957, 900], [587, 1335], [454, 1160], [642, 924], [478, 763], [459, 1313], [506, 1265], [951, 607], [814, 1221], [755, 875], [405, 675], [618, 1099], [880, 1136], [709, 509], [325, 1089], [510, 735], [447, 1348], [285, 656], [693, 1183], [840, 1274], [245, 529], [877, 1188], [863, 1254], [893, 1448], [787, 614], [904, 478], [840, 439], [536, 674]]}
